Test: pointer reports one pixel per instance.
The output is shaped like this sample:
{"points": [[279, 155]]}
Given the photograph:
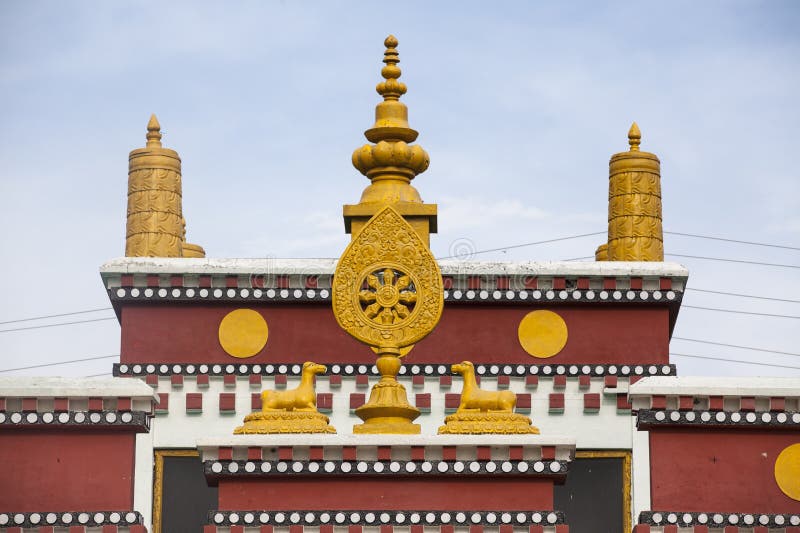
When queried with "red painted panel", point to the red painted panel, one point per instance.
{"points": [[695, 470], [65, 471], [597, 334], [386, 494]]}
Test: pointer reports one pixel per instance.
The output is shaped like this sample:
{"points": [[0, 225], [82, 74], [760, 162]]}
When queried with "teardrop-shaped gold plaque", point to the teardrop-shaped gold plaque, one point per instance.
{"points": [[387, 290]]}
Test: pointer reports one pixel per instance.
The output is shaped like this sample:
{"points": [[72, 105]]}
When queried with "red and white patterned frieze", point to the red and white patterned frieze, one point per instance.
{"points": [[387, 528], [72, 521], [510, 521], [666, 521]]}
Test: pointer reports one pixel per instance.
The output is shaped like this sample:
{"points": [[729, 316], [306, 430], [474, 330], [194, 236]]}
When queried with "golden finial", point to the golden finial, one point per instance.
{"points": [[153, 132], [391, 89], [391, 115], [634, 137], [391, 162]]}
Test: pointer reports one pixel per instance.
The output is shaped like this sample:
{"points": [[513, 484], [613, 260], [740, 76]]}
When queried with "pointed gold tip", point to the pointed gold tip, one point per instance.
{"points": [[153, 132], [391, 89], [634, 137]]}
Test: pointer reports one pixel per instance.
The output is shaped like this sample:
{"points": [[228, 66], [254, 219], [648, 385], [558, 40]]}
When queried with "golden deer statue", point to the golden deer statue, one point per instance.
{"points": [[484, 411], [301, 398], [474, 398], [290, 411]]}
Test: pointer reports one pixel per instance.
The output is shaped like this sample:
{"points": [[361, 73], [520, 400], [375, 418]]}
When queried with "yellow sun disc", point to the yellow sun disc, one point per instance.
{"points": [[243, 333], [542, 333], [787, 471]]}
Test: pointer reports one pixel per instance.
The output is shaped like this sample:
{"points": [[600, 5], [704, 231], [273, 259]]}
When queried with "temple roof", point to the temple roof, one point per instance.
{"points": [[169, 265]]}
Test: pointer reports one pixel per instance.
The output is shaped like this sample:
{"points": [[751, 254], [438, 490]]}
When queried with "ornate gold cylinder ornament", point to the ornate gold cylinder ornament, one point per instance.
{"points": [[155, 219], [634, 205]]}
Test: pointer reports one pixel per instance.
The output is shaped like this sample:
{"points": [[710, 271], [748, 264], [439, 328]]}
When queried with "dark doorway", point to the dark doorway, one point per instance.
{"points": [[592, 497], [186, 498]]}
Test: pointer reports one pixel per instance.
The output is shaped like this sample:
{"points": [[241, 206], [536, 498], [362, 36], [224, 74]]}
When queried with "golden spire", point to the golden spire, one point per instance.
{"points": [[153, 132], [156, 227], [391, 163], [391, 115], [634, 137], [634, 205]]}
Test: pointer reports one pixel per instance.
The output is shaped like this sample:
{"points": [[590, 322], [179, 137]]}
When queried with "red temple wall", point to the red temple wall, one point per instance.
{"points": [[393, 494], [602, 334], [67, 471], [728, 471]]}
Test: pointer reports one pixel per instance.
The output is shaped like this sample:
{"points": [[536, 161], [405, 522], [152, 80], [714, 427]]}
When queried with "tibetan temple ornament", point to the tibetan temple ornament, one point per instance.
{"points": [[391, 162], [290, 411], [388, 293], [156, 227], [484, 411], [634, 205], [387, 290]]}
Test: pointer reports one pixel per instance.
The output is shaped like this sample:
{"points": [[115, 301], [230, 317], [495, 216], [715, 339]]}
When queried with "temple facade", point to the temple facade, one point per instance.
{"points": [[388, 391]]}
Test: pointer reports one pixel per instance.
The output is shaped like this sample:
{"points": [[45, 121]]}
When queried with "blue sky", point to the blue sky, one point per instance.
{"points": [[519, 104]]}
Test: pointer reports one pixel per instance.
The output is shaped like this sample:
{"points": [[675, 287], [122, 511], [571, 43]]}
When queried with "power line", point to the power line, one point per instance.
{"points": [[744, 295], [752, 243], [98, 375], [58, 315], [733, 360], [734, 260], [61, 324], [60, 363], [503, 248], [737, 346], [738, 312]]}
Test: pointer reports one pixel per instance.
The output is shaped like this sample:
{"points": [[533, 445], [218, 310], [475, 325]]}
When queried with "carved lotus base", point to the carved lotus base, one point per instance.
{"points": [[472, 423], [285, 422], [388, 410]]}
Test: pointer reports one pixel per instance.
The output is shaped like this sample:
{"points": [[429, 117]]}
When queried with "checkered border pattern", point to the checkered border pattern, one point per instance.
{"points": [[646, 418], [215, 469], [138, 420], [717, 520], [480, 296], [46, 519], [368, 518], [419, 369]]}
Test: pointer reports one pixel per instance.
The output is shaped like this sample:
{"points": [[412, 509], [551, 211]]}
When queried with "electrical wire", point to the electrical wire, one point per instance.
{"points": [[752, 243], [744, 295], [734, 260], [733, 360], [60, 324], [737, 311], [504, 248], [60, 363], [55, 316], [737, 346]]}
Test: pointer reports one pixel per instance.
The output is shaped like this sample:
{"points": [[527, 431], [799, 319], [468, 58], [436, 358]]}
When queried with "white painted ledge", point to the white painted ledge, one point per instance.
{"points": [[60, 387], [449, 267], [787, 387], [335, 440]]}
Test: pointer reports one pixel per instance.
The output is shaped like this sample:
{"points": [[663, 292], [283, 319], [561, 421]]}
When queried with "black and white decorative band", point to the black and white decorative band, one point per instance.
{"points": [[454, 295], [650, 417], [389, 468], [138, 419], [421, 369], [376, 518], [62, 519], [660, 518]]}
